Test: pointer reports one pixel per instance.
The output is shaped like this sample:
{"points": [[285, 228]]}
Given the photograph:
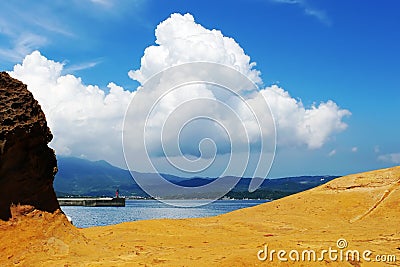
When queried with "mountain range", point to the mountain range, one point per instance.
{"points": [[81, 177]]}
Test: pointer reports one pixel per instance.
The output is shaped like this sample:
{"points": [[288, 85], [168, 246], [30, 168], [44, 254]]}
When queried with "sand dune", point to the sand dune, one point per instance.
{"points": [[363, 209]]}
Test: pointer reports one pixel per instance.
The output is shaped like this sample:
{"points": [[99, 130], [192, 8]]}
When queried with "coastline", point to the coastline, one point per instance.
{"points": [[362, 208]]}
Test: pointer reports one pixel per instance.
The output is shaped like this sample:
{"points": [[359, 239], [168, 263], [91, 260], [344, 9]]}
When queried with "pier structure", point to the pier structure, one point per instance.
{"points": [[93, 202]]}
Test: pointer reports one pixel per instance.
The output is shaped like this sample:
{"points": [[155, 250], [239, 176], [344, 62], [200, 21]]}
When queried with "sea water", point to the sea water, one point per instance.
{"points": [[135, 210]]}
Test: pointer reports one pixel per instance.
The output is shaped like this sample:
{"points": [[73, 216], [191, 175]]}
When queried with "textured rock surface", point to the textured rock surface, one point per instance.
{"points": [[363, 209], [27, 164]]}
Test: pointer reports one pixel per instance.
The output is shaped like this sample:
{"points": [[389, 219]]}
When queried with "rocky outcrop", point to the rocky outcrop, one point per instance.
{"points": [[27, 164], [349, 216]]}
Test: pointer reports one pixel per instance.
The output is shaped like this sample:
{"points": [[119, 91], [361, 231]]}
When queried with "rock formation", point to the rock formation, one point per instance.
{"points": [[362, 211], [27, 164]]}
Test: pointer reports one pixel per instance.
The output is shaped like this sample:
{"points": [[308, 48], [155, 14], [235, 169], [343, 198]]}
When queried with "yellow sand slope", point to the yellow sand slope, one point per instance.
{"points": [[362, 210]]}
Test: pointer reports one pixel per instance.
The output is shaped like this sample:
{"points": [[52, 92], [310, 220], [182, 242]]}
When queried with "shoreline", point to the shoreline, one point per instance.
{"points": [[361, 209]]}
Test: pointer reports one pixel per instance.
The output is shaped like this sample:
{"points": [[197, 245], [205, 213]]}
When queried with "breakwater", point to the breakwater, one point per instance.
{"points": [[92, 202]]}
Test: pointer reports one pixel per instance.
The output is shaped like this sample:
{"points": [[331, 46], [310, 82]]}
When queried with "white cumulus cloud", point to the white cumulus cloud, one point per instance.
{"points": [[179, 39], [87, 120], [83, 118], [299, 125]]}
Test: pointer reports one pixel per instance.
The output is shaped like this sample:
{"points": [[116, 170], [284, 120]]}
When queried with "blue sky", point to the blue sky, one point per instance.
{"points": [[344, 51]]}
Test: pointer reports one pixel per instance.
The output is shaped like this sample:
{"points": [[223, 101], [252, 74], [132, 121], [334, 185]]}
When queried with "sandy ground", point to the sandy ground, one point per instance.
{"points": [[363, 209]]}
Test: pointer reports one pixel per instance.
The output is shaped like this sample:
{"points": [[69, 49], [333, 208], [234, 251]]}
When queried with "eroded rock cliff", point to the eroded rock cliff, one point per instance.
{"points": [[27, 164]]}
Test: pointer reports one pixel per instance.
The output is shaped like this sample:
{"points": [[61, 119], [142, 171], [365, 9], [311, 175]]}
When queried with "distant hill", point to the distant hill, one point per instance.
{"points": [[80, 177], [92, 178]]}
